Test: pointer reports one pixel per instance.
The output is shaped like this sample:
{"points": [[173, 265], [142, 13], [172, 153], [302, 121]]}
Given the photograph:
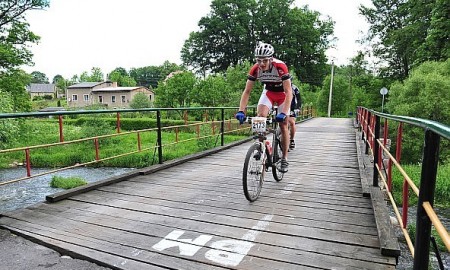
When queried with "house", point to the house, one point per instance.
{"points": [[42, 89], [107, 93]]}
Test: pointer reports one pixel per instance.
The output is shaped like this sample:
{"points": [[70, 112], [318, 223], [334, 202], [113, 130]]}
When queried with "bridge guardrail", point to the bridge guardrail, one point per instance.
{"points": [[369, 122], [226, 124]]}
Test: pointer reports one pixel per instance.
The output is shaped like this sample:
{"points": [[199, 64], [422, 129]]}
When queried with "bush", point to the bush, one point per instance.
{"points": [[9, 128], [67, 182], [139, 101], [424, 94], [96, 127]]}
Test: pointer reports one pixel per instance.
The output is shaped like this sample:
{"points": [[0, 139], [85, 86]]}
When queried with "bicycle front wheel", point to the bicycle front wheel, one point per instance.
{"points": [[253, 174], [277, 155]]}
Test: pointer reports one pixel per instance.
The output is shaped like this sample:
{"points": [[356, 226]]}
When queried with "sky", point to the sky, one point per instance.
{"points": [[77, 35]]}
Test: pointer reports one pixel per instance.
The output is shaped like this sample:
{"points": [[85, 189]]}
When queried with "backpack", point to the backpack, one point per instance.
{"points": [[296, 103]]}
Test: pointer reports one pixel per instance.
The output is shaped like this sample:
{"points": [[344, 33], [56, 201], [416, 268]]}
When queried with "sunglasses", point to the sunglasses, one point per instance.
{"points": [[262, 60]]}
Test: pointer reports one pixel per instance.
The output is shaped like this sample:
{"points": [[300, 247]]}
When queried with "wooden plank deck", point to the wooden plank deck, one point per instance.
{"points": [[195, 216]]}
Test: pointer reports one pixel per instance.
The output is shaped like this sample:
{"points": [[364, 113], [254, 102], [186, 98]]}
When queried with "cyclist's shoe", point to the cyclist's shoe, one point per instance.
{"points": [[291, 145], [284, 165]]}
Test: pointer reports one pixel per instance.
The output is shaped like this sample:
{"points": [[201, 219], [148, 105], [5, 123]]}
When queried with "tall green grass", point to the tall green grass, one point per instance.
{"points": [[67, 182], [442, 193]]}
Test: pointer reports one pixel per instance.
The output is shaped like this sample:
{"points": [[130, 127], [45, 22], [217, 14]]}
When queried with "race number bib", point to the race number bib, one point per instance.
{"points": [[259, 124]]}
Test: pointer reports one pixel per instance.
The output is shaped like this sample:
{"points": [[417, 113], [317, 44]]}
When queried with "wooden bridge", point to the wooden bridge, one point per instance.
{"points": [[193, 215]]}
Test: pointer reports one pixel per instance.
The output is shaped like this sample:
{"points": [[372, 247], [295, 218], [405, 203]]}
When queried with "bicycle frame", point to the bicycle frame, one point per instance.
{"points": [[262, 155]]}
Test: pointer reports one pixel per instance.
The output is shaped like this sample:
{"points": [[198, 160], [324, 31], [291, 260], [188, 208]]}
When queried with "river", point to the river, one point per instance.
{"points": [[31, 191]]}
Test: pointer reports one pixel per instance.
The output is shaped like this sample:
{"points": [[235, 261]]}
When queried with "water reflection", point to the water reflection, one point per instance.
{"points": [[31, 191]]}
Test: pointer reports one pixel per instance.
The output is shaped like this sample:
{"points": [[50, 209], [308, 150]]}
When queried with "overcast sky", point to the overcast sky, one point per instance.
{"points": [[77, 35]]}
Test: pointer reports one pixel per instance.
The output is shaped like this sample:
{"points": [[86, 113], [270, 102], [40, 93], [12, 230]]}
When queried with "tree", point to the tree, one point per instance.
{"points": [[176, 91], [61, 83], [436, 46], [212, 92], [146, 76], [95, 76], [122, 71], [56, 78], [121, 78], [150, 76], [8, 127], [363, 84], [140, 101], [341, 97], [387, 21], [424, 94], [407, 32], [73, 80], [14, 83], [236, 77], [85, 77], [228, 36], [38, 77], [15, 37]]}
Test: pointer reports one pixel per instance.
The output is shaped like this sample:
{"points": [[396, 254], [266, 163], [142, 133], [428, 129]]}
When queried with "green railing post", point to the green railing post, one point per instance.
{"points": [[426, 194], [376, 150], [222, 126], [158, 123]]}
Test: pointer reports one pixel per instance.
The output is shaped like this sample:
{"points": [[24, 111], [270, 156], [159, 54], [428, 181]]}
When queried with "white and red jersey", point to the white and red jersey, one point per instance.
{"points": [[272, 78]]}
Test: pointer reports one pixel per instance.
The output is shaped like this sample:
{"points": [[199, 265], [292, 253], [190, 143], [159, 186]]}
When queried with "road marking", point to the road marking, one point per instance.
{"points": [[187, 247], [232, 252], [261, 225], [228, 252]]}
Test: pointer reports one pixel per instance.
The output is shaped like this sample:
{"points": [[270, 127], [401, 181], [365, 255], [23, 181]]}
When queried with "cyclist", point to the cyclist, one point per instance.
{"points": [[274, 74], [296, 104]]}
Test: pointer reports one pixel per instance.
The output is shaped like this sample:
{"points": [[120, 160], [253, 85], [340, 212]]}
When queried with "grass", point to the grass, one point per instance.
{"points": [[411, 228], [442, 192], [67, 182]]}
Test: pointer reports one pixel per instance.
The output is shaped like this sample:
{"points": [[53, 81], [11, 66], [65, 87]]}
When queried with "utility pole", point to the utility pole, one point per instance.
{"points": [[331, 89]]}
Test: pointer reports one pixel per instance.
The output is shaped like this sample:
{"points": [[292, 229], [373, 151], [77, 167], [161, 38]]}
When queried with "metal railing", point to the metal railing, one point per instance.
{"points": [[369, 122], [220, 121]]}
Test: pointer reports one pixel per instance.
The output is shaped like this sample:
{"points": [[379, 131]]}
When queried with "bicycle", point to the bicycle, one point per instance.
{"points": [[262, 155]]}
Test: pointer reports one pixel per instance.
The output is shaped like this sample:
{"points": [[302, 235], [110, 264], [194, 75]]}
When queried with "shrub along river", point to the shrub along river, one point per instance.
{"points": [[28, 192]]}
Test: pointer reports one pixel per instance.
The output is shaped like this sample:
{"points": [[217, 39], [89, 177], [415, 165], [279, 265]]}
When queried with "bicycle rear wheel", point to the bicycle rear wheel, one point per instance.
{"points": [[277, 155], [253, 174]]}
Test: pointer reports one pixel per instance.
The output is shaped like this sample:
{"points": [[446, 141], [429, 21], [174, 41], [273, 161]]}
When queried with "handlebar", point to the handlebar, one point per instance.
{"points": [[248, 120]]}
